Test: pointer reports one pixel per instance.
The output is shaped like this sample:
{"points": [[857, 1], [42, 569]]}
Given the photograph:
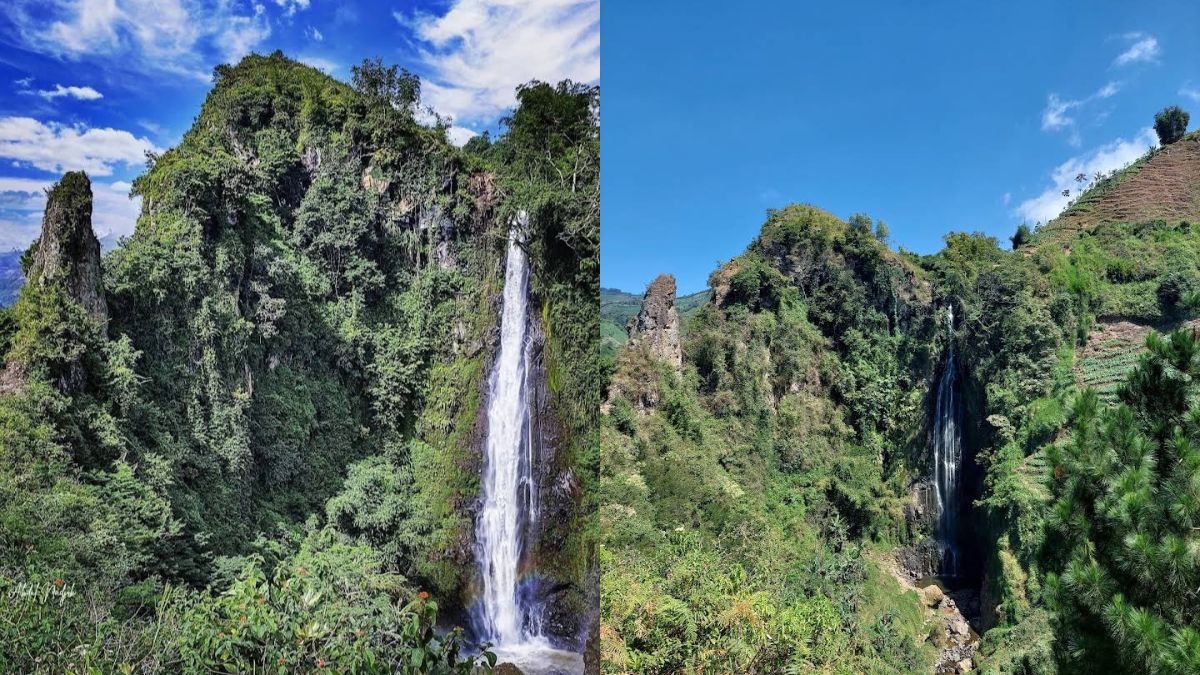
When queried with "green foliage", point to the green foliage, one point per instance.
{"points": [[736, 495], [1170, 124], [1125, 515], [326, 607], [298, 332], [1021, 237]]}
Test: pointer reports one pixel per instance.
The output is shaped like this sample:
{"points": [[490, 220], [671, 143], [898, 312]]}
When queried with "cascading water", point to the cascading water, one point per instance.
{"points": [[506, 615], [947, 458]]}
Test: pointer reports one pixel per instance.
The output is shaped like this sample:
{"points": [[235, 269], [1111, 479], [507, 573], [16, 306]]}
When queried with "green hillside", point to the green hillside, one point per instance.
{"points": [[249, 439], [765, 508]]}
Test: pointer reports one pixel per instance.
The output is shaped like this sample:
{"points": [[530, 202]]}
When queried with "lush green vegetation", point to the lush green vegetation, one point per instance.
{"points": [[738, 514], [751, 502], [267, 459]]}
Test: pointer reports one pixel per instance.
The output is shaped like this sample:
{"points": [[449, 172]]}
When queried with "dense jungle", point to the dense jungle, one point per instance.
{"points": [[251, 436]]}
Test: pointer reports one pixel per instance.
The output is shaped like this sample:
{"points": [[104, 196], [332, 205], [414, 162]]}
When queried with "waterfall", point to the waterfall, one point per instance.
{"points": [[509, 502], [947, 458], [508, 612]]}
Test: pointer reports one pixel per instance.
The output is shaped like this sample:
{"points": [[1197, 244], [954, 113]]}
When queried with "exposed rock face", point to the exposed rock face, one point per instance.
{"points": [[657, 324], [921, 514], [434, 218], [68, 252]]}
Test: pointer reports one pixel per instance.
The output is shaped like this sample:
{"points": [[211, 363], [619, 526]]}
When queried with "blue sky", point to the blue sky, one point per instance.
{"points": [[94, 84], [926, 115]]}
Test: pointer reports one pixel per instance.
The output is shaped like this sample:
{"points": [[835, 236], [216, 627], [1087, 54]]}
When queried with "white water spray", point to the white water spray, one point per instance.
{"points": [[507, 615], [507, 472], [947, 456]]}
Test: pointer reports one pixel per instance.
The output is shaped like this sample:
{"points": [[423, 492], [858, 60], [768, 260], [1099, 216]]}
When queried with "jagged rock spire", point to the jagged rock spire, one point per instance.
{"points": [[68, 252], [657, 324]]}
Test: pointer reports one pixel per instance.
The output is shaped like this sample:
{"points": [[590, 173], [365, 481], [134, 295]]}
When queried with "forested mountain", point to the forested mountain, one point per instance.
{"points": [[251, 436], [861, 460]]}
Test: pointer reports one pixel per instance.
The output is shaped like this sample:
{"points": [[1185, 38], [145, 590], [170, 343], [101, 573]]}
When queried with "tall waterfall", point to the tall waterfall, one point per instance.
{"points": [[947, 458], [509, 503]]}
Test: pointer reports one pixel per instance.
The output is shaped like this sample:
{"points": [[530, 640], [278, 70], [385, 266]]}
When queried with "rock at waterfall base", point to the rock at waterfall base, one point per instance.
{"points": [[932, 595]]}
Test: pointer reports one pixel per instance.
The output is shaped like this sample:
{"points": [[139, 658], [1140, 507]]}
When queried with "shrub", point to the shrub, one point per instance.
{"points": [[1170, 124]]}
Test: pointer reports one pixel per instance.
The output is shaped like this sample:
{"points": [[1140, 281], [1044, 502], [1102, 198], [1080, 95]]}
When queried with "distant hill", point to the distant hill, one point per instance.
{"points": [[1129, 244], [11, 279], [617, 307], [1161, 185]]}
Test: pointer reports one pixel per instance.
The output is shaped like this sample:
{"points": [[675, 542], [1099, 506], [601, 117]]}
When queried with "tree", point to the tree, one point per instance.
{"points": [[882, 231], [1125, 514], [1171, 124], [392, 84], [1021, 237]]}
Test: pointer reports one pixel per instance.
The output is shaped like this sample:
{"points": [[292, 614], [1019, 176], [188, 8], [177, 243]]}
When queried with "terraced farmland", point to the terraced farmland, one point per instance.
{"points": [[1111, 352]]}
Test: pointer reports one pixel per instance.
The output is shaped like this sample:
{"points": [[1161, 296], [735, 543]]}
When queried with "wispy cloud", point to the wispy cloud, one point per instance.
{"points": [[56, 147], [478, 51], [1103, 159], [1143, 48], [1057, 116], [81, 93], [1189, 91], [290, 7], [183, 37], [314, 34]]}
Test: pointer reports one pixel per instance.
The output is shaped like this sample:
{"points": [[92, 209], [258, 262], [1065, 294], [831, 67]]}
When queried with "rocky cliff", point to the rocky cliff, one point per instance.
{"points": [[657, 324], [68, 253]]}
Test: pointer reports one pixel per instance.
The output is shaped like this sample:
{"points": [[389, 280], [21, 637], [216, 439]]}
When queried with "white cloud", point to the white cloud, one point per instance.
{"points": [[1057, 117], [56, 147], [1006, 198], [1144, 49], [182, 37], [1190, 92], [314, 34], [113, 211], [81, 93], [460, 135], [22, 201], [241, 34], [1054, 116], [1104, 159], [322, 64], [480, 50], [290, 7]]}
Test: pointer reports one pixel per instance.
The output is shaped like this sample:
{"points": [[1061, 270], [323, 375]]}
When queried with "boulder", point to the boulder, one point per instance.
{"points": [[507, 669], [932, 595], [964, 666]]}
